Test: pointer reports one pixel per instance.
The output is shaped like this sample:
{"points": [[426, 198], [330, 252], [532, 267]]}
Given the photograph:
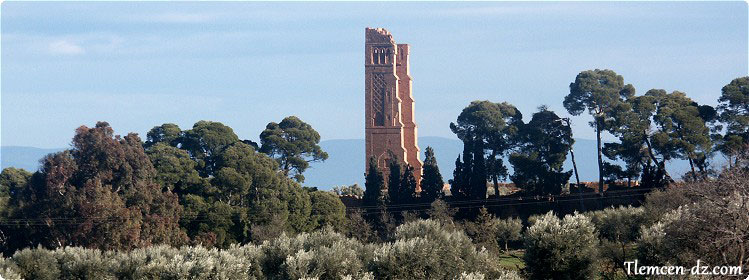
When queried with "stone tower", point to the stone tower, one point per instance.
{"points": [[389, 105]]}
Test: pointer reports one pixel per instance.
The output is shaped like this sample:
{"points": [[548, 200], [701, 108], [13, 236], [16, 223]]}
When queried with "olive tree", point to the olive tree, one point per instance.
{"points": [[561, 248]]}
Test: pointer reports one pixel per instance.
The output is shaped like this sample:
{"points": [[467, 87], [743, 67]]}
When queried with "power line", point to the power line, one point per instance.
{"points": [[414, 207], [553, 198], [379, 211]]}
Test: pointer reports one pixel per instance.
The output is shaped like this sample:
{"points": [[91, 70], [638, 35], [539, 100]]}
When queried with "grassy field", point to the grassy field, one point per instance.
{"points": [[512, 260]]}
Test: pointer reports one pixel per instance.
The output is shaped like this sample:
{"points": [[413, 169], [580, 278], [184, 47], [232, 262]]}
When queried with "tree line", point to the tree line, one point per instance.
{"points": [[705, 220], [205, 186], [198, 186], [652, 129]]}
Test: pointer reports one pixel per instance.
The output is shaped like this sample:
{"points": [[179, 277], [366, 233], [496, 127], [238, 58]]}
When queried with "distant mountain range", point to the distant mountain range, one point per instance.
{"points": [[346, 163], [23, 157], [345, 166]]}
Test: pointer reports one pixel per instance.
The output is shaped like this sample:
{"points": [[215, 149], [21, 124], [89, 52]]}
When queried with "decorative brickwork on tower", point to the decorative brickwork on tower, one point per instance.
{"points": [[389, 113]]}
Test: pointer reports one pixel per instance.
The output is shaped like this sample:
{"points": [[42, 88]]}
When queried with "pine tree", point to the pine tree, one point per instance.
{"points": [[599, 92], [483, 230], [431, 179]]}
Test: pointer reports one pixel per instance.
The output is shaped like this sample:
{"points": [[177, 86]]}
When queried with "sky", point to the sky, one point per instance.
{"points": [[140, 64]]}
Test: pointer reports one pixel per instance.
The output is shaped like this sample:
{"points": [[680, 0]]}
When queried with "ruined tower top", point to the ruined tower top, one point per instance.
{"points": [[389, 104], [378, 36]]}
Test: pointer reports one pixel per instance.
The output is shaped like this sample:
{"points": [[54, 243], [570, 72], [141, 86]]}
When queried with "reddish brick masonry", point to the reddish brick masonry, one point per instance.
{"points": [[389, 104]]}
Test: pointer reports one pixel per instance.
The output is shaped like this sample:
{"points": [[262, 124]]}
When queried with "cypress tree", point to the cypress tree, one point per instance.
{"points": [[457, 184], [467, 170], [431, 179], [478, 171], [394, 182], [407, 188], [374, 184]]}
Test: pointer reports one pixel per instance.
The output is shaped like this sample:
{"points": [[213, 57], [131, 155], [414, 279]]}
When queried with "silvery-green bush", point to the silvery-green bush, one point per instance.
{"points": [[36, 263], [322, 254], [561, 248], [8, 269], [620, 224], [509, 229], [157, 262], [710, 222], [423, 249], [668, 240], [82, 263], [618, 228], [506, 275]]}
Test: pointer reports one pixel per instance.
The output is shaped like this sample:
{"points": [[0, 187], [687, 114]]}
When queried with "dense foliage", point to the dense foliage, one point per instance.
{"points": [[421, 250], [561, 248], [294, 144], [707, 220], [542, 147], [487, 130], [102, 193], [431, 178]]}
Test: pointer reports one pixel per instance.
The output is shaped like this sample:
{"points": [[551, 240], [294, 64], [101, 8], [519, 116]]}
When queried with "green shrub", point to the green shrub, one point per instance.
{"points": [[36, 263], [81, 263], [618, 228], [423, 249], [509, 230], [507, 275], [8, 269], [561, 248], [619, 224], [483, 230], [711, 224], [323, 254]]}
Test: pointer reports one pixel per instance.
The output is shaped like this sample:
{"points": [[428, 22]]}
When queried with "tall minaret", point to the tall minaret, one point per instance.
{"points": [[389, 105]]}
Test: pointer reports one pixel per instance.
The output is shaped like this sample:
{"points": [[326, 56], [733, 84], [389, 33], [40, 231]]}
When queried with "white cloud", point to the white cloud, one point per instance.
{"points": [[66, 48]]}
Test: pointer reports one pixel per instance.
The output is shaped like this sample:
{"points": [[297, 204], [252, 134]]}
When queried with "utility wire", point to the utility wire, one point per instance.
{"points": [[207, 217]]}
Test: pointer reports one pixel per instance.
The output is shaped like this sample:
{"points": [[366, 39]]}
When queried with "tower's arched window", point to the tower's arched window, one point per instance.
{"points": [[388, 56]]}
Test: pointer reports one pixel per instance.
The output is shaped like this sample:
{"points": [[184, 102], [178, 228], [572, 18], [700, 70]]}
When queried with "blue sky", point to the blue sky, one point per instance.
{"points": [[141, 64]]}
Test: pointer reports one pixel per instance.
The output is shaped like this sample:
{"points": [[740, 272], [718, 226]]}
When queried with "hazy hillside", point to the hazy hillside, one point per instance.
{"points": [[346, 162], [23, 157]]}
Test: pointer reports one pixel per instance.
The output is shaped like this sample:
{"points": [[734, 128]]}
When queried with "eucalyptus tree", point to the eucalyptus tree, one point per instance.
{"points": [[167, 133], [294, 144], [102, 193]]}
